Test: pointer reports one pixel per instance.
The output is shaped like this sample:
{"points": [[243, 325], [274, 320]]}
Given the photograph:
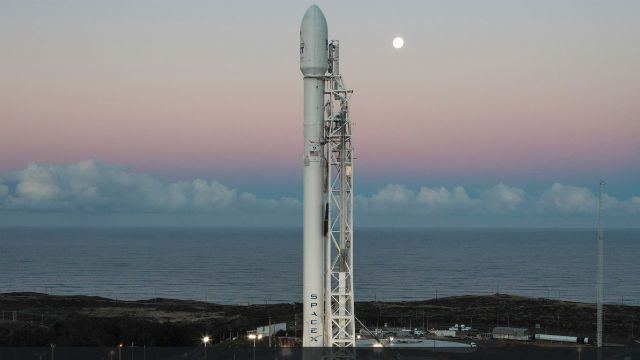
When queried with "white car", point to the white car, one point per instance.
{"points": [[473, 345]]}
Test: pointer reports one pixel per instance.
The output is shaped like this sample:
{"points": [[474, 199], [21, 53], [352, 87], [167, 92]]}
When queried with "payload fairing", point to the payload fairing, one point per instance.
{"points": [[327, 195]]}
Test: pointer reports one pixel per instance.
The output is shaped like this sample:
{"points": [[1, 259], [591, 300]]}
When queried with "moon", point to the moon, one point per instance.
{"points": [[398, 42]]}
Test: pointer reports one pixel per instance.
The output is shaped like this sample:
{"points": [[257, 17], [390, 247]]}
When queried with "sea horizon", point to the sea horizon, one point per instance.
{"points": [[231, 265]]}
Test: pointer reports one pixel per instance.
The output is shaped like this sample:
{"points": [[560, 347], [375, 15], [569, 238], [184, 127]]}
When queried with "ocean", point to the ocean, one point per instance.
{"points": [[264, 265]]}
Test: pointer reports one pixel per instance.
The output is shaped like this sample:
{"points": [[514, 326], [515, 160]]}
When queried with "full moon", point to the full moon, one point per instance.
{"points": [[398, 42]]}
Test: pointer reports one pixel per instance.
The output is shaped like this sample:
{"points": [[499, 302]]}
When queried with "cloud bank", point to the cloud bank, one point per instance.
{"points": [[500, 199], [92, 187]]}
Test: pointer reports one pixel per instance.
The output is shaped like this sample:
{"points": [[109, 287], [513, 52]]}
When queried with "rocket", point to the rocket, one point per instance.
{"points": [[314, 63]]}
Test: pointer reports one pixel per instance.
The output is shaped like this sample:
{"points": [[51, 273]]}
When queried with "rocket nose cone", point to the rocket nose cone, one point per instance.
{"points": [[313, 12], [313, 42], [313, 21]]}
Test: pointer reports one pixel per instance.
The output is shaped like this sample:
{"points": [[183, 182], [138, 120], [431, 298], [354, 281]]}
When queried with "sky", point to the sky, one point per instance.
{"points": [[494, 113]]}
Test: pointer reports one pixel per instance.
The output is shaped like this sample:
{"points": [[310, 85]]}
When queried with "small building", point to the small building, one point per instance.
{"points": [[264, 330], [444, 333], [461, 327], [510, 333], [379, 333]]}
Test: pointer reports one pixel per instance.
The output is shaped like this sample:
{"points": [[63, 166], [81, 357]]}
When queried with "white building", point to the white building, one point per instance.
{"points": [[264, 330]]}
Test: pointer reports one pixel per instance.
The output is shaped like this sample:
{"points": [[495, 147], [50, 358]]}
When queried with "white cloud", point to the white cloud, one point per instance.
{"points": [[441, 199], [393, 195], [93, 186], [558, 200], [568, 199], [4, 192], [37, 184], [632, 205], [502, 199], [391, 198], [398, 198]]}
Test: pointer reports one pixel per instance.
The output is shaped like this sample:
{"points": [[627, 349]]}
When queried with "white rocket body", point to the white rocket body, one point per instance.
{"points": [[314, 62]]}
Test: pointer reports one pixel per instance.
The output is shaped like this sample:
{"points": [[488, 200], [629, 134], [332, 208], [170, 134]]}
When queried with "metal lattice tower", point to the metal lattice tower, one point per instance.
{"points": [[600, 280], [339, 309]]}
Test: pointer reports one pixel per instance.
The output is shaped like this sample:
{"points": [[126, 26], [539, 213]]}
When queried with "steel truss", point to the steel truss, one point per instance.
{"points": [[339, 309]]}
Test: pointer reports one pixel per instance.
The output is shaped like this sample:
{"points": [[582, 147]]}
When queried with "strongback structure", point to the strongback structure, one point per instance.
{"points": [[600, 277], [328, 196], [339, 315]]}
